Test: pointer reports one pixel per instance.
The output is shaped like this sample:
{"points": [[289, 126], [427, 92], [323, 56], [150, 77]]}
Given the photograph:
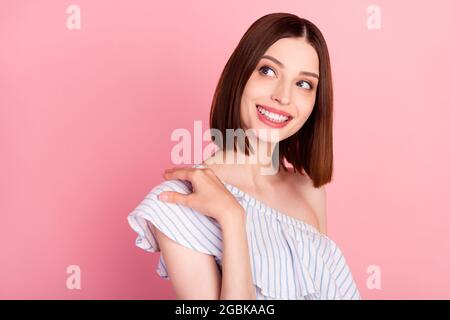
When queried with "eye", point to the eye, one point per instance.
{"points": [[265, 68], [309, 84], [261, 70]]}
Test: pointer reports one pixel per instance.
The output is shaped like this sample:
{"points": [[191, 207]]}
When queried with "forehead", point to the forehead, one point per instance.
{"points": [[295, 53]]}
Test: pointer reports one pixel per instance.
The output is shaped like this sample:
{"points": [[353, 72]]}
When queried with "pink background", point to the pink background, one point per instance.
{"points": [[86, 117]]}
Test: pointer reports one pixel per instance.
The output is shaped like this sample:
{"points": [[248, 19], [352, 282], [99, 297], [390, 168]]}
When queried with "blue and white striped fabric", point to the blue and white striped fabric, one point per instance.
{"points": [[290, 259]]}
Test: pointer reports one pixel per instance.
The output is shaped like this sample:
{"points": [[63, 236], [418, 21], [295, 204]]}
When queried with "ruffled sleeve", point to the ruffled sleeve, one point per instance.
{"points": [[182, 224]]}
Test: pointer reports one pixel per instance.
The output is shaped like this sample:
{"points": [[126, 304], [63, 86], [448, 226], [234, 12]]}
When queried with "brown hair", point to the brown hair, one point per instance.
{"points": [[311, 147]]}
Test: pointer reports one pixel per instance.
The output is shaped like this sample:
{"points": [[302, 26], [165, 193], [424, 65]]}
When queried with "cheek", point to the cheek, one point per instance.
{"points": [[252, 93], [307, 105], [310, 108], [303, 113], [257, 88]]}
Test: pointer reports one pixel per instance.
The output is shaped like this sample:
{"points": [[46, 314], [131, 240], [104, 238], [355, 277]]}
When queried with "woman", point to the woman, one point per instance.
{"points": [[225, 228]]}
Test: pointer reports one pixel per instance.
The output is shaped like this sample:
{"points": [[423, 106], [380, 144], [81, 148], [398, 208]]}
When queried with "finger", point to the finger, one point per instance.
{"points": [[173, 197], [175, 168], [178, 173]]}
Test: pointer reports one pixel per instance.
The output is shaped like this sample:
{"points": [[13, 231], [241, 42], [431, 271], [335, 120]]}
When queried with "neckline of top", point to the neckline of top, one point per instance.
{"points": [[269, 210]]}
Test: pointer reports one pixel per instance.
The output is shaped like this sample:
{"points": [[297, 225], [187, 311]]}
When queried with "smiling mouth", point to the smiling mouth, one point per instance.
{"points": [[274, 117]]}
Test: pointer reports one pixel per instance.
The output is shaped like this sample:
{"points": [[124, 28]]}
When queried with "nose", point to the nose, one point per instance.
{"points": [[282, 95], [282, 100]]}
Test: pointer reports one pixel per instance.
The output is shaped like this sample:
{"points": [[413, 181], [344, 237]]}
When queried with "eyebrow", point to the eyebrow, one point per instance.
{"points": [[307, 73]]}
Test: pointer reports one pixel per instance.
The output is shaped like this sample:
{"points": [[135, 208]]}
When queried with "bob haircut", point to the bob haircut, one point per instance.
{"points": [[311, 148]]}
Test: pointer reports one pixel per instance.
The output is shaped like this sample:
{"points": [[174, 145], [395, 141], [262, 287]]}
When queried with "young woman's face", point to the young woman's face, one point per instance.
{"points": [[288, 91]]}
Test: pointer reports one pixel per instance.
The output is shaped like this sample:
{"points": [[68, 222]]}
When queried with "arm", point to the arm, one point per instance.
{"points": [[237, 281], [196, 276]]}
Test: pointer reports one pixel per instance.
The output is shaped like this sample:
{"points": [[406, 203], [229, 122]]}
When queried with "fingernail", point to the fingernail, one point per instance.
{"points": [[162, 197]]}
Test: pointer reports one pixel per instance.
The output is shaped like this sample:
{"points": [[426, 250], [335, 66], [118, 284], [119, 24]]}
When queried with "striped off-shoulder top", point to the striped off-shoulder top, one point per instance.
{"points": [[290, 259]]}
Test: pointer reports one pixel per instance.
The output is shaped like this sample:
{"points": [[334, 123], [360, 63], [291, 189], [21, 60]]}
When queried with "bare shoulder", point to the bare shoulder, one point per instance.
{"points": [[316, 197]]}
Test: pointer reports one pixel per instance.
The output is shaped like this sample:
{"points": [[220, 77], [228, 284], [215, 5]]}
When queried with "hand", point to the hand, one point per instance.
{"points": [[209, 196]]}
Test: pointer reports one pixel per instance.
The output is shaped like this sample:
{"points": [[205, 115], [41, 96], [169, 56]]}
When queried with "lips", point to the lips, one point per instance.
{"points": [[275, 122], [275, 111]]}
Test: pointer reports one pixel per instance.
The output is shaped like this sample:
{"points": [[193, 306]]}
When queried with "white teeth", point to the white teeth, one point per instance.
{"points": [[272, 116]]}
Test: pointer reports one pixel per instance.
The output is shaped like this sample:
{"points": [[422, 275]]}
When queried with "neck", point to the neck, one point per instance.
{"points": [[254, 170]]}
